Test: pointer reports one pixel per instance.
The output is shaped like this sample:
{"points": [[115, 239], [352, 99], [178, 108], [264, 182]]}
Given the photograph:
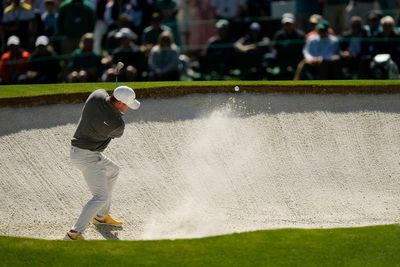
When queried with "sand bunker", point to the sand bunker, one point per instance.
{"points": [[210, 164]]}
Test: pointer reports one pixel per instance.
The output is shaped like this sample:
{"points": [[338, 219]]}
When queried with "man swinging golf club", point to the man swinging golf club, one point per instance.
{"points": [[100, 121]]}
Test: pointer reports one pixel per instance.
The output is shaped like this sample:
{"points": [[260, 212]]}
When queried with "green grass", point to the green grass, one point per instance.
{"points": [[10, 91], [366, 246]]}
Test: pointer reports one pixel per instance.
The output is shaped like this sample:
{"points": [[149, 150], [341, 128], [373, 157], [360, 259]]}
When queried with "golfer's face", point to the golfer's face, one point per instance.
{"points": [[123, 107]]}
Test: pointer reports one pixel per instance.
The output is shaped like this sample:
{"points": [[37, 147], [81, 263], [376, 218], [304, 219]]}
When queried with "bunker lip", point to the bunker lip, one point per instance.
{"points": [[176, 91]]}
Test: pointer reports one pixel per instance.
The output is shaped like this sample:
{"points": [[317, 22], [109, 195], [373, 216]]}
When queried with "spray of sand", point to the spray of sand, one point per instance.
{"points": [[218, 149]]}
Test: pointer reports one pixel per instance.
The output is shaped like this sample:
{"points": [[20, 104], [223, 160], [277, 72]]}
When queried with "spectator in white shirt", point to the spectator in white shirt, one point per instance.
{"points": [[321, 56]]}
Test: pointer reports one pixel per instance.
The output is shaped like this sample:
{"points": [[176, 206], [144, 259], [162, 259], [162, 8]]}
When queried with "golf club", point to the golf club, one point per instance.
{"points": [[119, 66]]}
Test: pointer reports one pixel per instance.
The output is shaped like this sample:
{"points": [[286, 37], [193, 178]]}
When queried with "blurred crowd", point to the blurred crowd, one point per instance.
{"points": [[50, 41]]}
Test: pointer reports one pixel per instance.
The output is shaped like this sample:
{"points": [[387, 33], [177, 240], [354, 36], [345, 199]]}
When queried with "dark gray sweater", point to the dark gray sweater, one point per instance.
{"points": [[99, 123]]}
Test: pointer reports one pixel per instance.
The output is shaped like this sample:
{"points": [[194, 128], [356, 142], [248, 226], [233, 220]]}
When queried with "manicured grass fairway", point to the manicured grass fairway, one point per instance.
{"points": [[367, 246], [8, 91]]}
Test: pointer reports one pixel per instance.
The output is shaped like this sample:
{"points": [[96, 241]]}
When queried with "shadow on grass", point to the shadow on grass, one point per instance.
{"points": [[109, 232]]}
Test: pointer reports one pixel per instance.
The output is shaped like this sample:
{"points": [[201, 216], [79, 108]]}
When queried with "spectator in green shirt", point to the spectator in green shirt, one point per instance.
{"points": [[169, 11], [75, 18], [85, 64]]}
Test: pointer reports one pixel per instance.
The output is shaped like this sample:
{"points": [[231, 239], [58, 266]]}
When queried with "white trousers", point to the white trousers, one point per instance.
{"points": [[100, 174]]}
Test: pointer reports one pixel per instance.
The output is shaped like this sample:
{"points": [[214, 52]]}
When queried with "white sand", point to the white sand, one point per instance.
{"points": [[211, 164]]}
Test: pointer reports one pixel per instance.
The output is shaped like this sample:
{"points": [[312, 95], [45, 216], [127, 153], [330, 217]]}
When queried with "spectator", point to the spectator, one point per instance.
{"points": [[304, 9], [229, 10], [251, 50], [374, 25], [355, 50], [38, 6], [390, 8], [360, 8], [185, 19], [129, 54], [312, 25], [383, 67], [258, 9], [164, 59], [75, 18], [218, 56], [388, 41], [313, 21], [49, 18], [139, 13], [44, 64], [196, 24], [169, 10], [335, 13], [19, 19], [106, 16], [85, 64], [14, 62], [111, 41], [2, 42], [288, 44], [232, 11], [321, 56], [151, 33], [108, 11]]}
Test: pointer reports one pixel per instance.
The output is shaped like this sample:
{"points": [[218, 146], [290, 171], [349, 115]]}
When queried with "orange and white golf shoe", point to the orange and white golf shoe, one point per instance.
{"points": [[106, 220]]}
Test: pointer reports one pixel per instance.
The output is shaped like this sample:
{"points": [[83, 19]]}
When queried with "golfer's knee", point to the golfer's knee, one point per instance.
{"points": [[100, 198], [112, 170], [115, 170]]}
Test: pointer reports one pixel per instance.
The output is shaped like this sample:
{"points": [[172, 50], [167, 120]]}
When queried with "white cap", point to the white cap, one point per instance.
{"points": [[380, 58], [42, 40], [387, 20], [127, 96], [13, 40], [126, 33], [255, 26], [288, 18]]}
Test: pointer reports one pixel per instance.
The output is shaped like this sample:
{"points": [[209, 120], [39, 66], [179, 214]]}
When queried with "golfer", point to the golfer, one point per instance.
{"points": [[100, 121]]}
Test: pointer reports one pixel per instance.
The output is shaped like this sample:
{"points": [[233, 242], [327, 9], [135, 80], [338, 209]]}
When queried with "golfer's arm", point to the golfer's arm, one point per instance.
{"points": [[117, 132]]}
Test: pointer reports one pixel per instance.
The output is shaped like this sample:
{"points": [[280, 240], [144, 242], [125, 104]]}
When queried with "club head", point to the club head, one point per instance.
{"points": [[119, 66]]}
